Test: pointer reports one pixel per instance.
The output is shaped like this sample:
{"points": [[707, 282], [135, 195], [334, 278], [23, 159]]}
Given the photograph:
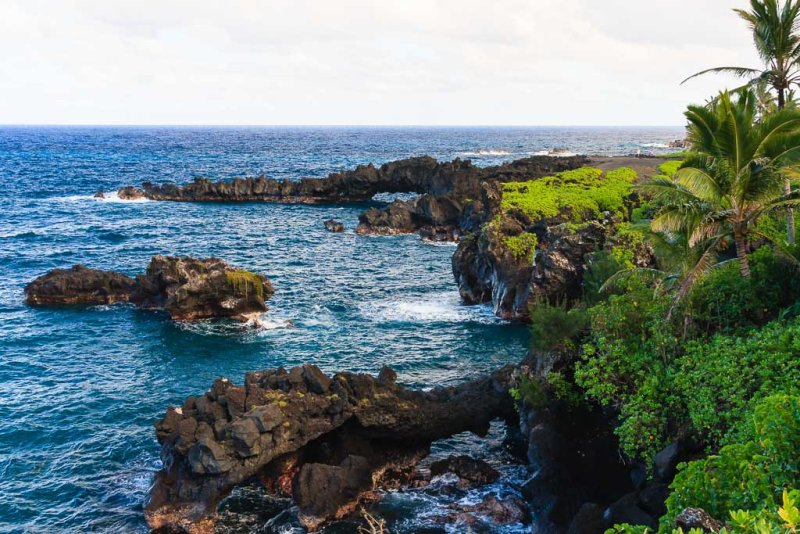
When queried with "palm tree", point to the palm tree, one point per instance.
{"points": [[733, 179], [775, 35]]}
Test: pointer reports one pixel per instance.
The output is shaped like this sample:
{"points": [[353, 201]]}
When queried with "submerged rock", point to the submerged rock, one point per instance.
{"points": [[491, 510], [327, 441], [79, 285], [469, 470], [334, 226], [186, 288]]}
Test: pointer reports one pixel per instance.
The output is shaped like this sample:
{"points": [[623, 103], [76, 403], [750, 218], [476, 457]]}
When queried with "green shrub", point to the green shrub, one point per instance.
{"points": [[669, 168], [554, 326], [601, 267], [750, 476], [522, 246]]}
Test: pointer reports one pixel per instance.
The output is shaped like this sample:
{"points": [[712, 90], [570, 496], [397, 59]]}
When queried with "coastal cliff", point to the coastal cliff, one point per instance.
{"points": [[542, 238]]}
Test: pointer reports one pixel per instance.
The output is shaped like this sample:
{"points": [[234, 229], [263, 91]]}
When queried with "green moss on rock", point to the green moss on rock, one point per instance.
{"points": [[244, 282]]}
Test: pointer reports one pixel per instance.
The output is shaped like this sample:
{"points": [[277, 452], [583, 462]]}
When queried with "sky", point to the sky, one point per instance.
{"points": [[363, 62]]}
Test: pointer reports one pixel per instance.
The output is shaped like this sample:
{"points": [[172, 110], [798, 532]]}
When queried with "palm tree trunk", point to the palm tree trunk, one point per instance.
{"points": [[741, 253], [790, 228], [781, 98]]}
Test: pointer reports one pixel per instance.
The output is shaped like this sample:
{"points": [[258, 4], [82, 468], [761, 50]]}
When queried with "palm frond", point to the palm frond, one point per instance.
{"points": [[741, 72]]}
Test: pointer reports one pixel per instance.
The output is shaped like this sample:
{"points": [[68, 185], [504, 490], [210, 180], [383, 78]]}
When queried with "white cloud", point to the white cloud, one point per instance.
{"points": [[362, 61]]}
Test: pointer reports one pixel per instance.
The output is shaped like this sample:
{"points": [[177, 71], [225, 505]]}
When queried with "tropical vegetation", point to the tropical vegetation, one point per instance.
{"points": [[702, 347]]}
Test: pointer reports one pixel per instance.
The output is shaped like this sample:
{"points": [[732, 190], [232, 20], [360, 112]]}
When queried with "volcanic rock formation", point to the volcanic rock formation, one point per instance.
{"points": [[451, 193], [186, 288], [326, 441]]}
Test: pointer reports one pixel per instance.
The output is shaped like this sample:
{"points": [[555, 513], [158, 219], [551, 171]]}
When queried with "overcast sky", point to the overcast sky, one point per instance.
{"points": [[361, 62]]}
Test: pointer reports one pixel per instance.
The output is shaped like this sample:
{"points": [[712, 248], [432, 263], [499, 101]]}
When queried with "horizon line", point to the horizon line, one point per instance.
{"points": [[224, 125]]}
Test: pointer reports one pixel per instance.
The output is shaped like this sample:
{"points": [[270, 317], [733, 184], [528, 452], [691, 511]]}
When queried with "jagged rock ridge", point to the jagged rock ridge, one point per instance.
{"points": [[325, 441]]}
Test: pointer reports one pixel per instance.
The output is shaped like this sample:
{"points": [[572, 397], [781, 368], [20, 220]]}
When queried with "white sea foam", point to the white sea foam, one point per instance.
{"points": [[111, 196], [654, 145], [479, 153], [554, 153], [433, 308]]}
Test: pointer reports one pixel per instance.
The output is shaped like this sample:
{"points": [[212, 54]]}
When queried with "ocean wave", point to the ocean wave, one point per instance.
{"points": [[557, 153], [654, 145], [111, 196], [480, 153], [21, 235], [258, 326], [434, 308]]}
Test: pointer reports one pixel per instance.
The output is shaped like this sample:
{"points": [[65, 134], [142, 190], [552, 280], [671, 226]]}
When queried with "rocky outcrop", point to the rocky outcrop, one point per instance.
{"points": [[186, 288], [488, 269], [450, 193], [79, 285], [130, 193], [326, 441]]}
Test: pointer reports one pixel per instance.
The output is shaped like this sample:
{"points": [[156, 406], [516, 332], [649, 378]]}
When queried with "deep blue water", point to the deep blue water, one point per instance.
{"points": [[80, 388]]}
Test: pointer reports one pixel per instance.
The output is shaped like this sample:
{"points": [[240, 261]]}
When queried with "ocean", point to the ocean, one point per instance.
{"points": [[80, 388]]}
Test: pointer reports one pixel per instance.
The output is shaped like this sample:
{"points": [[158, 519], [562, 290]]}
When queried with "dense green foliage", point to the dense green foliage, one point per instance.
{"points": [[582, 193], [723, 301], [665, 387], [751, 475], [244, 282]]}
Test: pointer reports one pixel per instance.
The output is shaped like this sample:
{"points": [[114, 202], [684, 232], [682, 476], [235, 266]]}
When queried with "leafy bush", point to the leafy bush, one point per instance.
{"points": [[704, 390], [724, 301], [603, 266], [554, 326], [750, 476], [584, 193], [721, 379]]}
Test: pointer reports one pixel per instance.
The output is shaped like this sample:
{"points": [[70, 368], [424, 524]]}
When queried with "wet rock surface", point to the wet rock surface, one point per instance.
{"points": [[469, 470], [186, 288], [79, 285], [328, 442]]}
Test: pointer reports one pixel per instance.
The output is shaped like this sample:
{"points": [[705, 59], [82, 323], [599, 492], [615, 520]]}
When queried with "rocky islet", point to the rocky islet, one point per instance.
{"points": [[186, 288]]}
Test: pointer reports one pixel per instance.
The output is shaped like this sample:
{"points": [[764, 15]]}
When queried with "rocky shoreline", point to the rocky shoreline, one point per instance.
{"points": [[331, 443], [452, 195]]}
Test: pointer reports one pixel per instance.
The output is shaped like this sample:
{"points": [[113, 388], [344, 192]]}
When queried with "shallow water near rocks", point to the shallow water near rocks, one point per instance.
{"points": [[81, 387]]}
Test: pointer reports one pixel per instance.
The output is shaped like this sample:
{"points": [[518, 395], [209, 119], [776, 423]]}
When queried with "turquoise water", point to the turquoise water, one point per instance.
{"points": [[80, 388]]}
